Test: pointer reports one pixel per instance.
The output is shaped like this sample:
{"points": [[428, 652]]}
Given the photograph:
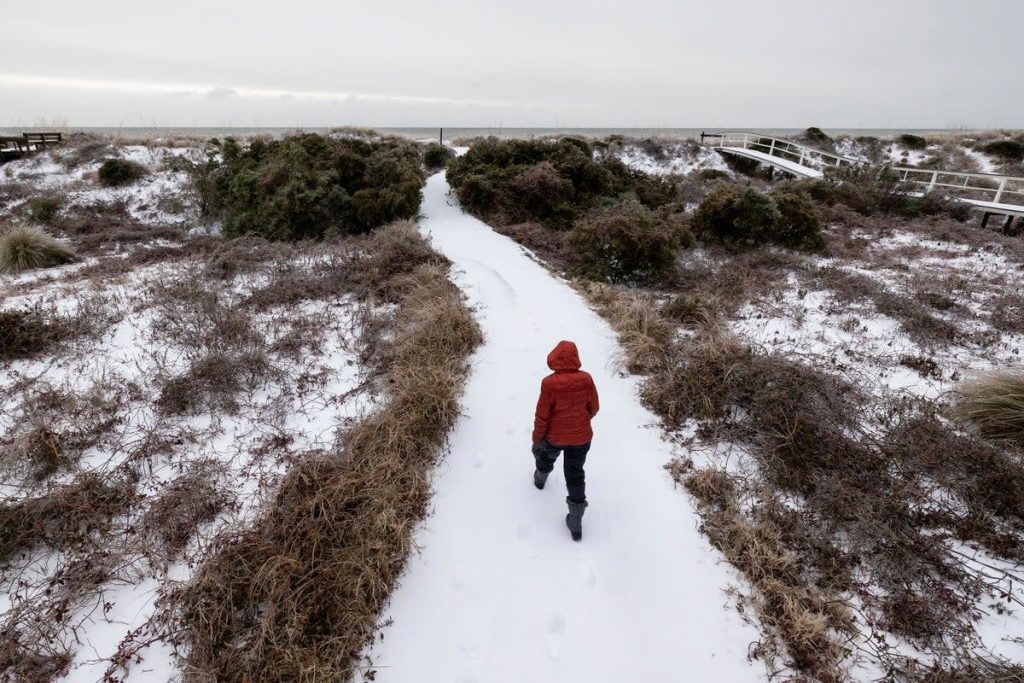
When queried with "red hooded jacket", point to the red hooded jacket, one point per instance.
{"points": [[568, 400]]}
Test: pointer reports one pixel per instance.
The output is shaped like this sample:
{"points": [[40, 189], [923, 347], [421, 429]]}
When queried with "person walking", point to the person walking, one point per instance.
{"points": [[568, 402]]}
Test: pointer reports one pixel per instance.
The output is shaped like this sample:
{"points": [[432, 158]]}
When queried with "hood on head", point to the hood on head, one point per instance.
{"points": [[564, 357]]}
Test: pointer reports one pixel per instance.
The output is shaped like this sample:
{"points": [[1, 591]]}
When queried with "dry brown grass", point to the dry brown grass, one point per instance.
{"points": [[917, 319], [993, 403], [192, 499], [297, 596], [39, 329], [212, 382], [66, 517], [54, 426], [840, 496], [808, 623], [26, 248]]}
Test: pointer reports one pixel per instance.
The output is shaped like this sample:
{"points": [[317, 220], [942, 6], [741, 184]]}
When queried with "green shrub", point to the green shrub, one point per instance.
{"points": [[656, 191], [25, 248], [1012, 150], [799, 225], [543, 192], [44, 209], [436, 156], [707, 174], [309, 185], [117, 172], [736, 217], [868, 192], [552, 182], [913, 141], [814, 134], [626, 242]]}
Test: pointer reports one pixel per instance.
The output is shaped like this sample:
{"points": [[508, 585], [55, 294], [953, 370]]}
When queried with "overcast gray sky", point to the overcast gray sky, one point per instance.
{"points": [[647, 63]]}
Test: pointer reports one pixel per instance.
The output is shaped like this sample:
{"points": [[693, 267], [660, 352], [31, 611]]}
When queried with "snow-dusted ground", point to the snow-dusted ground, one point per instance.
{"points": [[677, 159], [306, 402], [499, 591], [872, 350], [155, 199]]}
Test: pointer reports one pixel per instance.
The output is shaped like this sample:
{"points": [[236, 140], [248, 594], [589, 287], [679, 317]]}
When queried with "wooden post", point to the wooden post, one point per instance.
{"points": [[440, 137], [984, 219], [1007, 224]]}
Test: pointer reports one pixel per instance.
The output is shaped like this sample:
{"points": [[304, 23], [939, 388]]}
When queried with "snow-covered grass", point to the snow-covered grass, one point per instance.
{"points": [[155, 394], [160, 324], [669, 157], [874, 317], [159, 198]]}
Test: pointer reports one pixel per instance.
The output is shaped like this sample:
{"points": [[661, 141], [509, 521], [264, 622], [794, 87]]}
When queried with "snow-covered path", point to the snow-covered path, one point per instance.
{"points": [[499, 592]]}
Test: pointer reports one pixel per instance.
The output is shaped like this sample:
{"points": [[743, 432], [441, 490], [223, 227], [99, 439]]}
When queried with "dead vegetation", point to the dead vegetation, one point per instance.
{"points": [[192, 499], [112, 483], [297, 595], [843, 511], [69, 516]]}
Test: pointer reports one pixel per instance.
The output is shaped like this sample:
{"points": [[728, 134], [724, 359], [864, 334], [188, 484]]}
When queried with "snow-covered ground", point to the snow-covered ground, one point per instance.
{"points": [[155, 199], [242, 451], [499, 592], [675, 159]]}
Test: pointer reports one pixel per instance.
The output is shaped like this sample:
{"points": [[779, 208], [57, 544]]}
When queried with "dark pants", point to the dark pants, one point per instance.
{"points": [[575, 456]]}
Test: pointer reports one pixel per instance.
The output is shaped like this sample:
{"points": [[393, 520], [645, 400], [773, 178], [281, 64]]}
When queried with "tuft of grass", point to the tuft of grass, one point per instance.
{"points": [[26, 248], [213, 381], [993, 403], [189, 501], [118, 172]]}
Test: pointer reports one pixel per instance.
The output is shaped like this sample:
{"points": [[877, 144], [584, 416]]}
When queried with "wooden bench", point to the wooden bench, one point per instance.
{"points": [[42, 139]]}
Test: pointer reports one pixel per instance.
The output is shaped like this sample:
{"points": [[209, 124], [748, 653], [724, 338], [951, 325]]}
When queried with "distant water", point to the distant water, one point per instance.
{"points": [[453, 133]]}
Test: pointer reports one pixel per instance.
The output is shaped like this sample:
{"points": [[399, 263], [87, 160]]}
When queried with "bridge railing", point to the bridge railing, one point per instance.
{"points": [[987, 187], [782, 148]]}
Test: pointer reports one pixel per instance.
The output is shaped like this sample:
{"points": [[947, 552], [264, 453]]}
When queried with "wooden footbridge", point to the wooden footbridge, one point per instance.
{"points": [[991, 193], [16, 147]]}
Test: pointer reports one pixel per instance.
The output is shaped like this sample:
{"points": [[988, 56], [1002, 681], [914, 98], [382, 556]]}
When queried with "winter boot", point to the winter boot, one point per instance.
{"points": [[540, 478], [574, 520]]}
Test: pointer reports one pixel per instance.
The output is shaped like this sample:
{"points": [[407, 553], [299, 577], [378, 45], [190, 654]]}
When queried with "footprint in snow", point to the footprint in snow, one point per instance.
{"points": [[587, 576], [555, 635], [524, 532]]}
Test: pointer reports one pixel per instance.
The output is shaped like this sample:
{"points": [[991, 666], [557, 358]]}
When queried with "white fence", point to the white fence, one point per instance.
{"points": [[987, 187]]}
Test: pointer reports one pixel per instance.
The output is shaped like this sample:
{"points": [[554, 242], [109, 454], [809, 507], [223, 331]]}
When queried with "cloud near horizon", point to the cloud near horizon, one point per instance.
{"points": [[647, 63]]}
